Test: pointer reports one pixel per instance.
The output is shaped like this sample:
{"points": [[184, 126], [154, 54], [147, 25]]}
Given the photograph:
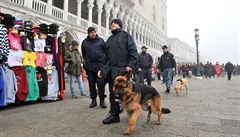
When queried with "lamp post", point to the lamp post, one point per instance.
{"points": [[198, 74]]}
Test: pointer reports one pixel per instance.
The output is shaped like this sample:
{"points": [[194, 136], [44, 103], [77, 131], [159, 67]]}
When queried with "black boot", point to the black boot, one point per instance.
{"points": [[93, 103], [111, 119], [102, 103], [168, 90]]}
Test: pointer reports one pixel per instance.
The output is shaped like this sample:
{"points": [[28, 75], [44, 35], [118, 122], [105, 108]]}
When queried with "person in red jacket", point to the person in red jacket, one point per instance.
{"points": [[218, 69]]}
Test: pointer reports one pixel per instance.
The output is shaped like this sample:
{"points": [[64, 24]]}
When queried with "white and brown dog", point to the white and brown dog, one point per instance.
{"points": [[179, 86]]}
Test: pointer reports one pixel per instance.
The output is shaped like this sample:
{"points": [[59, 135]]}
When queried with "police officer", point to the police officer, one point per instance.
{"points": [[120, 57], [167, 64], [145, 64], [93, 54]]}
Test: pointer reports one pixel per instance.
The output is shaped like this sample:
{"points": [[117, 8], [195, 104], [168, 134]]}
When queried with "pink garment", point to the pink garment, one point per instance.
{"points": [[14, 41], [41, 59], [218, 69], [49, 59]]}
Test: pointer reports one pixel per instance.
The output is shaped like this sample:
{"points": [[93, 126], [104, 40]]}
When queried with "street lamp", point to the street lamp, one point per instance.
{"points": [[198, 74]]}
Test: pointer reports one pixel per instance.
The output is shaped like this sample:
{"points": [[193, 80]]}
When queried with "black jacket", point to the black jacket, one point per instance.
{"points": [[93, 53], [229, 67], [167, 61], [145, 61], [120, 52]]}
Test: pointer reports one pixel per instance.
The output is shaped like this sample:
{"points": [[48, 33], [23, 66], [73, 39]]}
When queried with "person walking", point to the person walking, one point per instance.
{"points": [[229, 69], [145, 64], [93, 54], [218, 69], [168, 65], [121, 56], [74, 69]]}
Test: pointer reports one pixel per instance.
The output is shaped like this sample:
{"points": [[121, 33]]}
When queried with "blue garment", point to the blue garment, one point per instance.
{"points": [[80, 84], [1, 87], [168, 73], [10, 88], [93, 53]]}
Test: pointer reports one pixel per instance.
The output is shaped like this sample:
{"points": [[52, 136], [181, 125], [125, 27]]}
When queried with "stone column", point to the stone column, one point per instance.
{"points": [[121, 13], [115, 9], [90, 6], [79, 10], [65, 8], [131, 22], [100, 10], [107, 7], [28, 3], [126, 19], [49, 7]]}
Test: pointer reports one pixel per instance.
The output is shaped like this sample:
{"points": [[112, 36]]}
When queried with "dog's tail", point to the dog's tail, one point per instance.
{"points": [[165, 111]]}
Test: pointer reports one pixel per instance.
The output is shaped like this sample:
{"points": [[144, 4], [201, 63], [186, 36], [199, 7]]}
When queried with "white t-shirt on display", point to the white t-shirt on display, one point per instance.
{"points": [[39, 44], [15, 58]]}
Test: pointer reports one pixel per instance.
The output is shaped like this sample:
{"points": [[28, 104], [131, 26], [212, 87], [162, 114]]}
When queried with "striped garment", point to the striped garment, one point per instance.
{"points": [[4, 44]]}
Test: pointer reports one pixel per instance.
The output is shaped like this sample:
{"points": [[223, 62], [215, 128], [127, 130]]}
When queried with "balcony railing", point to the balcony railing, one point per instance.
{"points": [[39, 6], [57, 12], [19, 2]]}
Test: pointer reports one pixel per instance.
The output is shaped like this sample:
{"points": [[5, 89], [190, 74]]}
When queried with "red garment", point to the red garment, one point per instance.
{"points": [[22, 83], [218, 69], [82, 74]]}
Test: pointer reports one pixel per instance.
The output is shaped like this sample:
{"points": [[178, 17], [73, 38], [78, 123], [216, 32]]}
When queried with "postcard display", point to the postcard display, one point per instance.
{"points": [[31, 61]]}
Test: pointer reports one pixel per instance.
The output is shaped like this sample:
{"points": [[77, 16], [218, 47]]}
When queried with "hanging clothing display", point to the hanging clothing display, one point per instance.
{"points": [[15, 58], [40, 45], [14, 41], [53, 87], [2, 94], [22, 83], [27, 42], [41, 59], [4, 43], [33, 89], [10, 88], [59, 63], [31, 61], [29, 58], [42, 80]]}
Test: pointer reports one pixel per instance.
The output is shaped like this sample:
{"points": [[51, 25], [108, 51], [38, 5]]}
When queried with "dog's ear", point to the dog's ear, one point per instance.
{"points": [[128, 76], [179, 80]]}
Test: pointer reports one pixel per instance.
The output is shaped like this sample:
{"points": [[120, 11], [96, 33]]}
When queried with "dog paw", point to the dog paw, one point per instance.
{"points": [[158, 123], [129, 131]]}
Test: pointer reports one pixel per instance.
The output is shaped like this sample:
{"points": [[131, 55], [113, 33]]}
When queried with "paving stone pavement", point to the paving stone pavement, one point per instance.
{"points": [[210, 109]]}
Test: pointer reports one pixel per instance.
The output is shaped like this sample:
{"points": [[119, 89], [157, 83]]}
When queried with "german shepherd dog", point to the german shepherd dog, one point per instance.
{"points": [[136, 97]]}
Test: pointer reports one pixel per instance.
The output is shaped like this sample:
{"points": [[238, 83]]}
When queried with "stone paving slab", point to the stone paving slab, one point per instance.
{"points": [[210, 109]]}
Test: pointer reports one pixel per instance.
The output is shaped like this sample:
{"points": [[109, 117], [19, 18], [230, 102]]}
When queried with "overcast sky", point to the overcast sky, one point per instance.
{"points": [[218, 22]]}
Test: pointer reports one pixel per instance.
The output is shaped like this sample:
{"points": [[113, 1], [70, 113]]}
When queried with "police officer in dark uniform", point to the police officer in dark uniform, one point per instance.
{"points": [[145, 64], [121, 56], [167, 64], [93, 53]]}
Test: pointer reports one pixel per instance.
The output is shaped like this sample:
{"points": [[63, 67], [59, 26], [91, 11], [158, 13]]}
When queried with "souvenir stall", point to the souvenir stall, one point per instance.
{"points": [[31, 61]]}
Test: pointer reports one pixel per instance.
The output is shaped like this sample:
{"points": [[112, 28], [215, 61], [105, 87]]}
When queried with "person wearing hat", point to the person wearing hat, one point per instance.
{"points": [[75, 61], [121, 57], [145, 64], [167, 64], [93, 54]]}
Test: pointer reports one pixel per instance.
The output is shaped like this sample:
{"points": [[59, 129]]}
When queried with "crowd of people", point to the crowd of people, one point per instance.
{"points": [[208, 70]]}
